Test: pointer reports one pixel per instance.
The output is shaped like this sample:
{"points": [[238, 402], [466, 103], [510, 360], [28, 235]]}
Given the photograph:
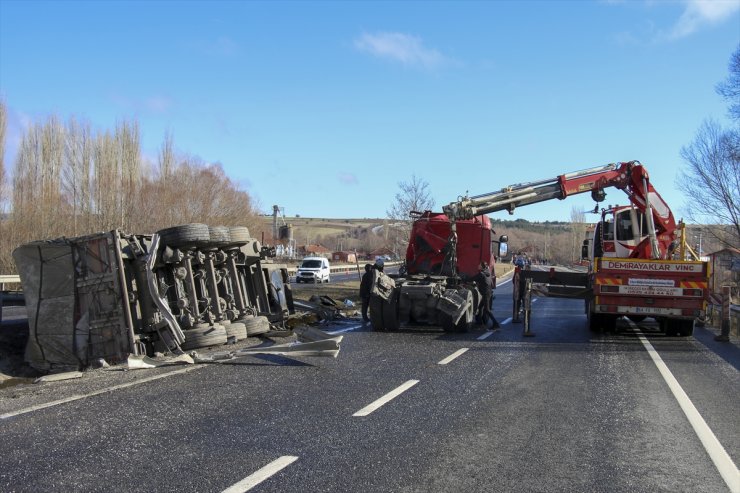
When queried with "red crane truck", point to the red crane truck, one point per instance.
{"points": [[638, 266]]}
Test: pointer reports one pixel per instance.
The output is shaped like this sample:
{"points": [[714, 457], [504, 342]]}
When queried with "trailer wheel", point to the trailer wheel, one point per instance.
{"points": [[237, 330], [187, 235], [376, 313], [390, 312], [220, 236], [204, 336], [239, 236], [257, 325]]}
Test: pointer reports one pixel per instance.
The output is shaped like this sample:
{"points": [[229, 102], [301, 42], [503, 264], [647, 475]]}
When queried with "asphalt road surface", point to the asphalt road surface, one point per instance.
{"points": [[413, 411]]}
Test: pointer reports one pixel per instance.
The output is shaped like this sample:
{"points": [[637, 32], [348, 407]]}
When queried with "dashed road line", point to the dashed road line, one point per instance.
{"points": [[453, 356], [386, 398], [485, 335], [722, 461], [506, 321], [260, 475], [97, 392]]}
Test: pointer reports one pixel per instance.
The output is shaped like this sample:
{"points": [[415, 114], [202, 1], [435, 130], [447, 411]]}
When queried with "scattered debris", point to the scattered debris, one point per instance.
{"points": [[58, 377], [139, 362]]}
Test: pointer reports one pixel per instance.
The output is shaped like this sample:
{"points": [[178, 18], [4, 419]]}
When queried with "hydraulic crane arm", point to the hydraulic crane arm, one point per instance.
{"points": [[631, 177]]}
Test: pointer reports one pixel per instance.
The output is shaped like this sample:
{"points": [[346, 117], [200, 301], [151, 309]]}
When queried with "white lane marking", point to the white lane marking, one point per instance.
{"points": [[354, 327], [386, 398], [485, 335], [97, 392], [502, 283], [453, 356], [506, 321], [260, 475], [721, 459]]}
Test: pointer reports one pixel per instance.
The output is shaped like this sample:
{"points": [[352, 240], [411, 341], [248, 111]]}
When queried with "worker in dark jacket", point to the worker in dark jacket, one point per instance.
{"points": [[365, 288], [484, 282]]}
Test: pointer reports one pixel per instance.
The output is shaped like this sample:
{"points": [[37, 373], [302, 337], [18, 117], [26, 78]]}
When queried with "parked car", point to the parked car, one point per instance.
{"points": [[313, 269]]}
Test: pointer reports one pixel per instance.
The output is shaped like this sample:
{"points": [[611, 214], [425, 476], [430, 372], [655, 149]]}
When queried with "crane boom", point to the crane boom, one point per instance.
{"points": [[630, 176]]}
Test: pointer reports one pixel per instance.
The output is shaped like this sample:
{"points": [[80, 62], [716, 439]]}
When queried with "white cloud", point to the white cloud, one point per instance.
{"points": [[400, 47], [701, 13], [347, 178]]}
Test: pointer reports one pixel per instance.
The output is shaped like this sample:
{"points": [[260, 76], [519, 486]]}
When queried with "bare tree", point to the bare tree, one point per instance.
{"points": [[412, 196], [711, 181], [3, 127], [577, 231], [730, 88]]}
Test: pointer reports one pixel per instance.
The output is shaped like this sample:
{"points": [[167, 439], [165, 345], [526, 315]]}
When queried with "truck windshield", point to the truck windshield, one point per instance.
{"points": [[311, 264]]}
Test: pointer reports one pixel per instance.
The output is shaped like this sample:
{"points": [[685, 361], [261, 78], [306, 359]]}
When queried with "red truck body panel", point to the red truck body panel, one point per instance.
{"points": [[429, 234]]}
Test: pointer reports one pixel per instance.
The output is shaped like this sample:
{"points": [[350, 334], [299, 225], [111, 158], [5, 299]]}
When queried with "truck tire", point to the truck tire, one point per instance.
{"points": [[220, 236], [257, 325], [204, 336], [187, 235], [595, 320], [237, 330], [609, 323], [239, 236], [677, 327], [376, 313], [390, 312]]}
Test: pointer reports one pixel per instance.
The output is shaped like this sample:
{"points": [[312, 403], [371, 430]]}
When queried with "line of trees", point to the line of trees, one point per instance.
{"points": [[69, 179], [711, 175]]}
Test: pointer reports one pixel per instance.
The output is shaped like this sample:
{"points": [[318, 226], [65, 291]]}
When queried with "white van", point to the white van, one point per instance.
{"points": [[313, 269]]}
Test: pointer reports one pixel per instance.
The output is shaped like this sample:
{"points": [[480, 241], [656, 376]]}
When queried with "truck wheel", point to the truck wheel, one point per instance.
{"points": [[187, 235], [376, 313], [239, 236], [219, 236], [680, 328], [390, 312], [609, 322], [237, 330], [204, 336], [594, 320], [257, 325]]}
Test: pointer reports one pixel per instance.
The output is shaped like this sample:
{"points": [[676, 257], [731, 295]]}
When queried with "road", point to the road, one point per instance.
{"points": [[566, 410]]}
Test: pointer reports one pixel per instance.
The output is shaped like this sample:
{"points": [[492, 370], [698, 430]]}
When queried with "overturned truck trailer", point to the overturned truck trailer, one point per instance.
{"points": [[108, 295]]}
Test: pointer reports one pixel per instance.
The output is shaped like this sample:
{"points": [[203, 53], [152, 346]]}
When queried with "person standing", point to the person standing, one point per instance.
{"points": [[484, 282], [365, 288]]}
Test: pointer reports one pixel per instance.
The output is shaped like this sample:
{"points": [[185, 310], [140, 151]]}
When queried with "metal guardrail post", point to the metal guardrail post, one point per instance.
{"points": [[724, 335]]}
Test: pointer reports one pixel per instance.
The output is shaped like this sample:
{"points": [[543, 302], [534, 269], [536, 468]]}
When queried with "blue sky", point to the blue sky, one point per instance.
{"points": [[323, 107]]}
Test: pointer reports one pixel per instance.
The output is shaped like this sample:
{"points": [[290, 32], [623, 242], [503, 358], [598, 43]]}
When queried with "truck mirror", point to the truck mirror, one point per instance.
{"points": [[503, 249], [584, 251]]}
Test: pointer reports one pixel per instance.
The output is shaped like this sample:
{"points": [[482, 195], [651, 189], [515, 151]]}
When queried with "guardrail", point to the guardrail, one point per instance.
{"points": [[345, 268], [7, 279]]}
